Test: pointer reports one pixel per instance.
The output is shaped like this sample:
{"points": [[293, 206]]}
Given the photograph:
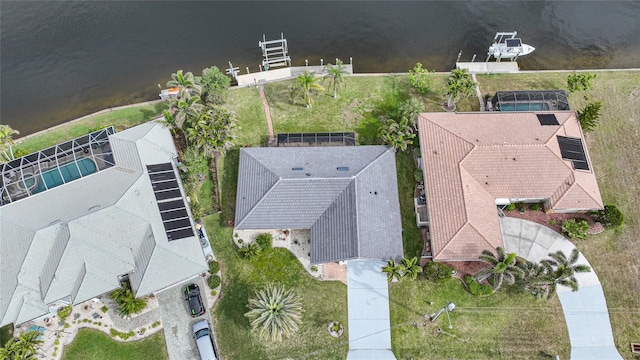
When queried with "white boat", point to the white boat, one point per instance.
{"points": [[507, 46]]}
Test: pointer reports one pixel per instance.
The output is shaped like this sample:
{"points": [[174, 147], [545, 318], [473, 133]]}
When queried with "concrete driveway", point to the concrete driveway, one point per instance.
{"points": [[177, 321]]}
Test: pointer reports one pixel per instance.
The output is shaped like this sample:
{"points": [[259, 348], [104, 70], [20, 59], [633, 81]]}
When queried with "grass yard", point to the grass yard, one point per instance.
{"points": [[322, 302], [614, 147], [120, 119], [252, 121], [93, 344]]}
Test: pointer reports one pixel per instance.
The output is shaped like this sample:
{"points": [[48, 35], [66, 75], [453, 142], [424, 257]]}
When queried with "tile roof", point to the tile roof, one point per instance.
{"points": [[347, 196], [472, 159]]}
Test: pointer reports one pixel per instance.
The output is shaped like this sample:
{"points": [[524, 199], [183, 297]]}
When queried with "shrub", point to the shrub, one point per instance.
{"points": [[250, 251], [589, 115], [535, 207], [240, 241], [520, 206], [421, 79], [552, 222], [214, 293], [57, 342], [213, 281], [610, 217], [576, 229], [437, 272], [264, 240], [314, 268], [64, 313], [214, 267], [418, 175], [104, 309], [475, 288], [113, 332], [295, 241], [510, 207]]}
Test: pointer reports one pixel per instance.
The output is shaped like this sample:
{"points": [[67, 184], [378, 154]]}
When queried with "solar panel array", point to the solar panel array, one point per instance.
{"points": [[547, 119], [173, 211], [573, 149]]}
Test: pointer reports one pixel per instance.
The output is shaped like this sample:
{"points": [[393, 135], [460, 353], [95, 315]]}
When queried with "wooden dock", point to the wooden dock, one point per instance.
{"points": [[483, 67]]}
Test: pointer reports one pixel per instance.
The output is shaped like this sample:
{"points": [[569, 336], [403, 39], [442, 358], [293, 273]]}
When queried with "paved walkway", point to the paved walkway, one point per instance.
{"points": [[267, 110], [585, 310], [369, 318]]}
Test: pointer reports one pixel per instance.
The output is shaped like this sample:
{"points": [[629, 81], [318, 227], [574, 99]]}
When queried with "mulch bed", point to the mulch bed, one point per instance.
{"points": [[467, 267], [545, 219]]}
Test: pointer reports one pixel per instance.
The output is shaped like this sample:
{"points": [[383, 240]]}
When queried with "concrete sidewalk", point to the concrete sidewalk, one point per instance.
{"points": [[585, 310]]}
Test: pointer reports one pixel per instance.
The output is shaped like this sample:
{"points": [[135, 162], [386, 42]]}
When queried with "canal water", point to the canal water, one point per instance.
{"points": [[63, 60]]}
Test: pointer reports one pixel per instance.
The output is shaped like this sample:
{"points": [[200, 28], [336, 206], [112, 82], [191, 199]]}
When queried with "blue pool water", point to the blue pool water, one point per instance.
{"points": [[67, 172], [536, 106]]}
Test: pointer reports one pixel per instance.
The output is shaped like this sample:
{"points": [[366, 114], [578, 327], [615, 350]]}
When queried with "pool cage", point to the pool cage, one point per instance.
{"points": [[531, 100], [54, 166], [317, 139]]}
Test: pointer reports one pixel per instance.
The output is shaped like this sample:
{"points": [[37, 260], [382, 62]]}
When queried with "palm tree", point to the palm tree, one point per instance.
{"points": [[397, 133], [21, 348], [561, 270], [185, 109], [334, 76], [410, 268], [6, 141], [307, 82], [275, 312], [503, 268], [212, 134], [128, 303], [250, 251], [459, 84], [392, 270], [186, 82]]}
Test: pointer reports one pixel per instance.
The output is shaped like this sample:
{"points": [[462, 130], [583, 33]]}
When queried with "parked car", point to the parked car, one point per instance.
{"points": [[192, 295], [204, 340]]}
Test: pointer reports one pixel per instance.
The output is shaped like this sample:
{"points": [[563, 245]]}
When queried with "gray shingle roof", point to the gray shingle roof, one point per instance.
{"points": [[347, 196]]}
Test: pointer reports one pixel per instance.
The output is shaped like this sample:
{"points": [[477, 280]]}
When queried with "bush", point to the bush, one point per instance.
{"points": [[510, 207], [214, 293], [104, 309], [437, 272], [475, 288], [520, 206], [535, 207], [64, 313], [314, 268], [575, 229], [421, 79], [418, 175], [610, 217], [264, 240], [214, 267], [213, 281]]}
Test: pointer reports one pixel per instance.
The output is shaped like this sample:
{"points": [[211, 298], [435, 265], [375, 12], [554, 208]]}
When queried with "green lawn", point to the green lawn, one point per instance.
{"points": [[615, 151], [93, 344], [252, 121]]}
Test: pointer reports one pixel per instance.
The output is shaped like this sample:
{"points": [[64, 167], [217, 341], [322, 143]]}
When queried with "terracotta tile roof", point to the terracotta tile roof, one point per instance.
{"points": [[471, 159]]}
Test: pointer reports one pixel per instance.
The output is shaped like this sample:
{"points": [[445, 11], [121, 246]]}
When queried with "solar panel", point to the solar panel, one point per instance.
{"points": [[170, 205], [171, 225], [174, 214], [514, 42], [165, 185], [547, 119], [168, 194], [580, 165], [179, 234], [159, 168], [573, 149], [162, 176]]}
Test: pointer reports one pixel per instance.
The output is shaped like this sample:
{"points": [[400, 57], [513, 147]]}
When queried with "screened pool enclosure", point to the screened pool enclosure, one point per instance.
{"points": [[530, 100]]}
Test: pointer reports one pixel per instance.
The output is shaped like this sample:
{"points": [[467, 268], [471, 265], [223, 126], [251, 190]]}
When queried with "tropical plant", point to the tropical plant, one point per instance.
{"points": [[128, 303], [397, 133], [503, 268], [186, 82], [560, 270], [575, 229], [611, 216], [64, 312], [334, 76], [409, 268], [459, 85], [184, 111], [410, 109], [307, 83], [23, 347], [437, 272], [7, 142], [215, 86], [589, 115], [275, 312], [250, 251], [580, 82], [534, 280], [264, 240], [213, 281], [476, 288], [421, 79], [214, 267], [392, 270]]}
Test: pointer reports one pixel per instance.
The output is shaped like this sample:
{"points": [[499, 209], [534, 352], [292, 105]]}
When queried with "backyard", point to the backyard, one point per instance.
{"points": [[93, 344]]}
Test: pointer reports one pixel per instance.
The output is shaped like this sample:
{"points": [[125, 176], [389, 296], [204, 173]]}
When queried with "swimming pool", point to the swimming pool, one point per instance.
{"points": [[64, 173], [533, 106]]}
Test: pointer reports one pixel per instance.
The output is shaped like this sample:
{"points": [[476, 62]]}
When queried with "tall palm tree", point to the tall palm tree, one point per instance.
{"points": [[307, 83], [21, 348], [410, 268], [6, 141], [397, 133], [503, 268], [392, 270], [334, 76], [185, 109], [561, 270], [186, 82], [459, 84], [275, 312]]}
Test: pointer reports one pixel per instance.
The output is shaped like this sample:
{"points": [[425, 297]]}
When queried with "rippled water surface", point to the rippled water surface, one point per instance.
{"points": [[62, 60]]}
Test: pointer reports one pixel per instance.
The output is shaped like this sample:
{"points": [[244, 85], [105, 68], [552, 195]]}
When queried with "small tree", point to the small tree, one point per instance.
{"points": [[128, 303], [580, 82], [307, 84], [250, 251], [7, 142], [397, 133], [265, 240], [437, 272], [503, 268], [392, 270], [421, 79], [460, 85], [275, 312], [410, 109], [215, 86], [589, 115], [410, 268], [561, 270], [575, 229], [22, 347], [334, 76], [610, 216], [186, 82]]}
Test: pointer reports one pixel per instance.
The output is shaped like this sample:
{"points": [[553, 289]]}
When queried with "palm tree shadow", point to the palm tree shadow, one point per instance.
{"points": [[228, 186]]}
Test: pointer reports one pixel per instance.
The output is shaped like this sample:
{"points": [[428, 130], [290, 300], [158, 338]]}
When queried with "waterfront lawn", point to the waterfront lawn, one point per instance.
{"points": [[322, 301], [93, 344], [121, 119], [504, 325], [252, 121], [613, 147]]}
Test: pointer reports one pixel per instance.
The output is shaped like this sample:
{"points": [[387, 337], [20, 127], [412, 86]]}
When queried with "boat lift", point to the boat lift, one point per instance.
{"points": [[507, 46], [274, 52]]}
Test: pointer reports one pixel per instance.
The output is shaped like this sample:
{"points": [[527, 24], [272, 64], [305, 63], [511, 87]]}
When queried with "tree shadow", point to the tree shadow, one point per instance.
{"points": [[228, 186]]}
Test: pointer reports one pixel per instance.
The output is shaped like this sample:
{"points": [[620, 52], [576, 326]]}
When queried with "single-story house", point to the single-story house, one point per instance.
{"points": [[79, 217], [346, 195], [474, 162]]}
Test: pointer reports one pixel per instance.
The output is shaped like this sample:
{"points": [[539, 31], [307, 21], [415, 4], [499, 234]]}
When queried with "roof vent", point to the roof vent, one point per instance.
{"points": [[343, 168], [297, 169]]}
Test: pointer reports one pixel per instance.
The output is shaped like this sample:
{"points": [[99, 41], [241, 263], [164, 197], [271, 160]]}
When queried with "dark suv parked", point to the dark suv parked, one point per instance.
{"points": [[192, 295]]}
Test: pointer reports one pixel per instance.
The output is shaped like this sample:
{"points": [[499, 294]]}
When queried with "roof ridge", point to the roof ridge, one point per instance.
{"points": [[264, 196], [451, 132], [387, 150]]}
